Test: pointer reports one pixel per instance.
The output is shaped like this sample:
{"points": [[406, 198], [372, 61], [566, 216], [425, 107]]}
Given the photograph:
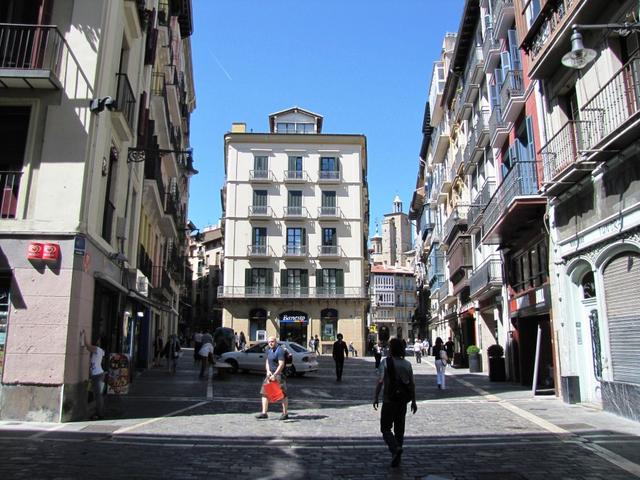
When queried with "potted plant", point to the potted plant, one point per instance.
{"points": [[497, 371], [475, 362]]}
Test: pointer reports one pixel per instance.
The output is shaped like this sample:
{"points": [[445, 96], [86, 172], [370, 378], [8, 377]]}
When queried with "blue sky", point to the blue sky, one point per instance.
{"points": [[365, 65]]}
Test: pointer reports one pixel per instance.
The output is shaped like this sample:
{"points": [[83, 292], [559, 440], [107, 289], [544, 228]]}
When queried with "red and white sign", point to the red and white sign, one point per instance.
{"points": [[35, 251], [51, 252]]}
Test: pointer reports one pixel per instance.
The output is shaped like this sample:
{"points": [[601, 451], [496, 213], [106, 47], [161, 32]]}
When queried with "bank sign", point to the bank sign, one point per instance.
{"points": [[294, 317]]}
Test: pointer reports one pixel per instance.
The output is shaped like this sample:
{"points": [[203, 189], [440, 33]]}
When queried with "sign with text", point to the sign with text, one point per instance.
{"points": [[119, 374]]}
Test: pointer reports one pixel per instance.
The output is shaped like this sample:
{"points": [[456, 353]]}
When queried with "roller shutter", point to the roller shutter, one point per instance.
{"points": [[622, 291]]}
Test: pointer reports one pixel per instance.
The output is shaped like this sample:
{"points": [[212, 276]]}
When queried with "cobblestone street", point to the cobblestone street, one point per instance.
{"points": [[189, 428]]}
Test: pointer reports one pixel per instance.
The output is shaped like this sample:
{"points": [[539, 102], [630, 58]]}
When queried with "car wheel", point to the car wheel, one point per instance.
{"points": [[234, 365], [289, 371]]}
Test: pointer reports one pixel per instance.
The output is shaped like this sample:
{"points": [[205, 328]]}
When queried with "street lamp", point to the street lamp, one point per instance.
{"points": [[580, 56]]}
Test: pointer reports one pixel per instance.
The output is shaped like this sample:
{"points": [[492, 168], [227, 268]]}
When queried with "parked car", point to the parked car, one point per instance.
{"points": [[254, 358]]}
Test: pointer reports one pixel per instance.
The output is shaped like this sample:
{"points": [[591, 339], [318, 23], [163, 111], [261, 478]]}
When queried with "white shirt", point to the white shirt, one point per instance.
{"points": [[417, 347], [95, 367], [206, 349]]}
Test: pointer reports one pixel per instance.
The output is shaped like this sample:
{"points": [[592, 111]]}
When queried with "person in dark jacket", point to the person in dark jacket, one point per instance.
{"points": [[339, 352]]}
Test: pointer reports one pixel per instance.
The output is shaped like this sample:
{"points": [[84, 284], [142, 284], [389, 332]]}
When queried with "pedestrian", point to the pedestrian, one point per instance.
{"points": [[339, 352], [417, 350], [236, 340], [395, 378], [157, 349], [206, 355], [440, 355], [172, 352], [243, 341], [449, 348], [96, 374], [425, 347], [316, 345], [311, 344], [274, 366], [197, 345], [377, 353], [352, 350]]}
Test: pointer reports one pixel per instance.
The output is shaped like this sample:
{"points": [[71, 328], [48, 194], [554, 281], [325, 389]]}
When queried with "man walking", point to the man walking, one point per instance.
{"points": [[448, 346], [316, 345], [339, 352], [396, 376], [275, 367]]}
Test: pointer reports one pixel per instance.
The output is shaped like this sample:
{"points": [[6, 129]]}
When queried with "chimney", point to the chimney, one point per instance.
{"points": [[238, 127]]}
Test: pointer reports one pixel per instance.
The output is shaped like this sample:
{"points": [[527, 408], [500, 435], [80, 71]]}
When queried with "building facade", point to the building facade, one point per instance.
{"points": [[79, 127], [591, 178], [295, 220], [393, 300]]}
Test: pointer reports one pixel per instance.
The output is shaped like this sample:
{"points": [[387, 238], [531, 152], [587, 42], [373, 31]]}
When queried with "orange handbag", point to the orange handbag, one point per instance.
{"points": [[273, 392]]}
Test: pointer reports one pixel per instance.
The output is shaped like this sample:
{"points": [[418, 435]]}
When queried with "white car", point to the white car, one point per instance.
{"points": [[254, 358]]}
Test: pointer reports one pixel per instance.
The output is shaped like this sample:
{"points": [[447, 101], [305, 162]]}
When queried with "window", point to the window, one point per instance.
{"points": [[588, 285], [257, 322], [291, 127], [330, 280], [295, 168], [328, 324], [529, 267], [259, 202], [110, 196], [294, 281], [294, 202], [14, 124], [296, 241], [329, 168], [329, 242], [258, 280], [328, 203], [259, 241], [531, 11], [260, 166]]}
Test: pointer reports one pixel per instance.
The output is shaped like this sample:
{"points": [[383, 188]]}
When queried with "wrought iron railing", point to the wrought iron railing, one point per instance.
{"points": [[329, 175], [331, 212], [499, 8], [480, 202], [561, 151], [328, 250], [10, 184], [521, 180], [486, 275], [457, 217], [285, 292], [295, 250], [495, 120], [260, 211], [490, 44], [513, 86], [261, 175], [554, 19], [299, 175], [257, 250], [295, 211]]}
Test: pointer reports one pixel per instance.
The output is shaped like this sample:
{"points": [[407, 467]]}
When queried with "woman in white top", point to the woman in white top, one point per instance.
{"points": [[96, 374]]}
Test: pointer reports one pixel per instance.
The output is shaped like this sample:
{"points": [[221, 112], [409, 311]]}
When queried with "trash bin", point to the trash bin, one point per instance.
{"points": [[570, 389]]}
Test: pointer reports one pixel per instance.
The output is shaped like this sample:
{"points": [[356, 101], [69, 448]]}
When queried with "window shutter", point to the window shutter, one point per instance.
{"points": [[304, 237], [319, 282], [531, 148], [304, 278], [340, 278], [512, 35], [247, 277], [505, 58], [269, 281], [498, 77], [284, 279]]}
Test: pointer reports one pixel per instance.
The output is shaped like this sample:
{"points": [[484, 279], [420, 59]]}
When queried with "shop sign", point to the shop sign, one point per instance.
{"points": [[51, 252], [34, 251], [119, 373], [294, 317]]}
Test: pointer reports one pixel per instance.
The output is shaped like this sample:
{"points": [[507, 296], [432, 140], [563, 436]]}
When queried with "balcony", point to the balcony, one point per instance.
{"points": [[460, 258], [498, 128], [477, 141], [260, 212], [461, 107], [258, 251], [455, 221], [440, 138], [503, 16], [329, 251], [10, 184], [295, 213], [609, 121], [329, 176], [329, 213], [34, 57], [261, 176], [284, 293], [295, 251], [296, 176], [475, 66], [486, 279], [514, 203], [490, 51], [512, 95], [160, 280], [476, 210], [445, 294]]}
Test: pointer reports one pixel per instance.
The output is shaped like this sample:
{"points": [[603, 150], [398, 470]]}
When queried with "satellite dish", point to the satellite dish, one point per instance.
{"points": [[579, 56]]}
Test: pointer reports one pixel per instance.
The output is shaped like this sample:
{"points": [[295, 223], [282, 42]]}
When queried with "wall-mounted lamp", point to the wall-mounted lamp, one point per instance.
{"points": [[580, 56], [118, 257], [97, 105]]}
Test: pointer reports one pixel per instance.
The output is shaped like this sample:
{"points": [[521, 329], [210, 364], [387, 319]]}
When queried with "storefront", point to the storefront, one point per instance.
{"points": [[293, 327]]}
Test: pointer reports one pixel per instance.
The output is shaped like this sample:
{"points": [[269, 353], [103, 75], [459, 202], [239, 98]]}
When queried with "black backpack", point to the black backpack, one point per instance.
{"points": [[288, 356], [398, 390]]}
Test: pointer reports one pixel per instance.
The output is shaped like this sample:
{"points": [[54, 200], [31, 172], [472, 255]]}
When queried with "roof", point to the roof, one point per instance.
{"points": [[317, 116], [391, 269]]}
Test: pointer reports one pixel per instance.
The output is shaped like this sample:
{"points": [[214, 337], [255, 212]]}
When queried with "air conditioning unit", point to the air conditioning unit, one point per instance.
{"points": [[139, 282]]}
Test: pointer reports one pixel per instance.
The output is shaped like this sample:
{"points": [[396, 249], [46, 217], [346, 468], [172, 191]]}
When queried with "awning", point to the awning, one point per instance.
{"points": [[101, 277], [148, 302]]}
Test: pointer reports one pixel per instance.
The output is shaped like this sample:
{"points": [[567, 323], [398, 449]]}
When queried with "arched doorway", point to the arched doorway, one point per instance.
{"points": [[293, 327]]}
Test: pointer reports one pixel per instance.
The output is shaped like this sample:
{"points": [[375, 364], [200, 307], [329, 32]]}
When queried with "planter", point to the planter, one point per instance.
{"points": [[497, 371], [475, 363]]}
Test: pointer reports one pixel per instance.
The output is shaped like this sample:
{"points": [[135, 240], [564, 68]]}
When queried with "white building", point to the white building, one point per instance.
{"points": [[296, 212]]}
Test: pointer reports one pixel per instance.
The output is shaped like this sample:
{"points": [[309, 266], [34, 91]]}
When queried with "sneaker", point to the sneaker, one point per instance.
{"points": [[284, 416], [395, 461], [260, 416]]}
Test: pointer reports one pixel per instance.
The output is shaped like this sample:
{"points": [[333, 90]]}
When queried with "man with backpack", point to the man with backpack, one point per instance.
{"points": [[395, 379], [274, 365]]}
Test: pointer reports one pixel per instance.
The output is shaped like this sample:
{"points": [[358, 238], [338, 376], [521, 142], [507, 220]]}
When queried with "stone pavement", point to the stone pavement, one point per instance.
{"points": [[198, 429]]}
